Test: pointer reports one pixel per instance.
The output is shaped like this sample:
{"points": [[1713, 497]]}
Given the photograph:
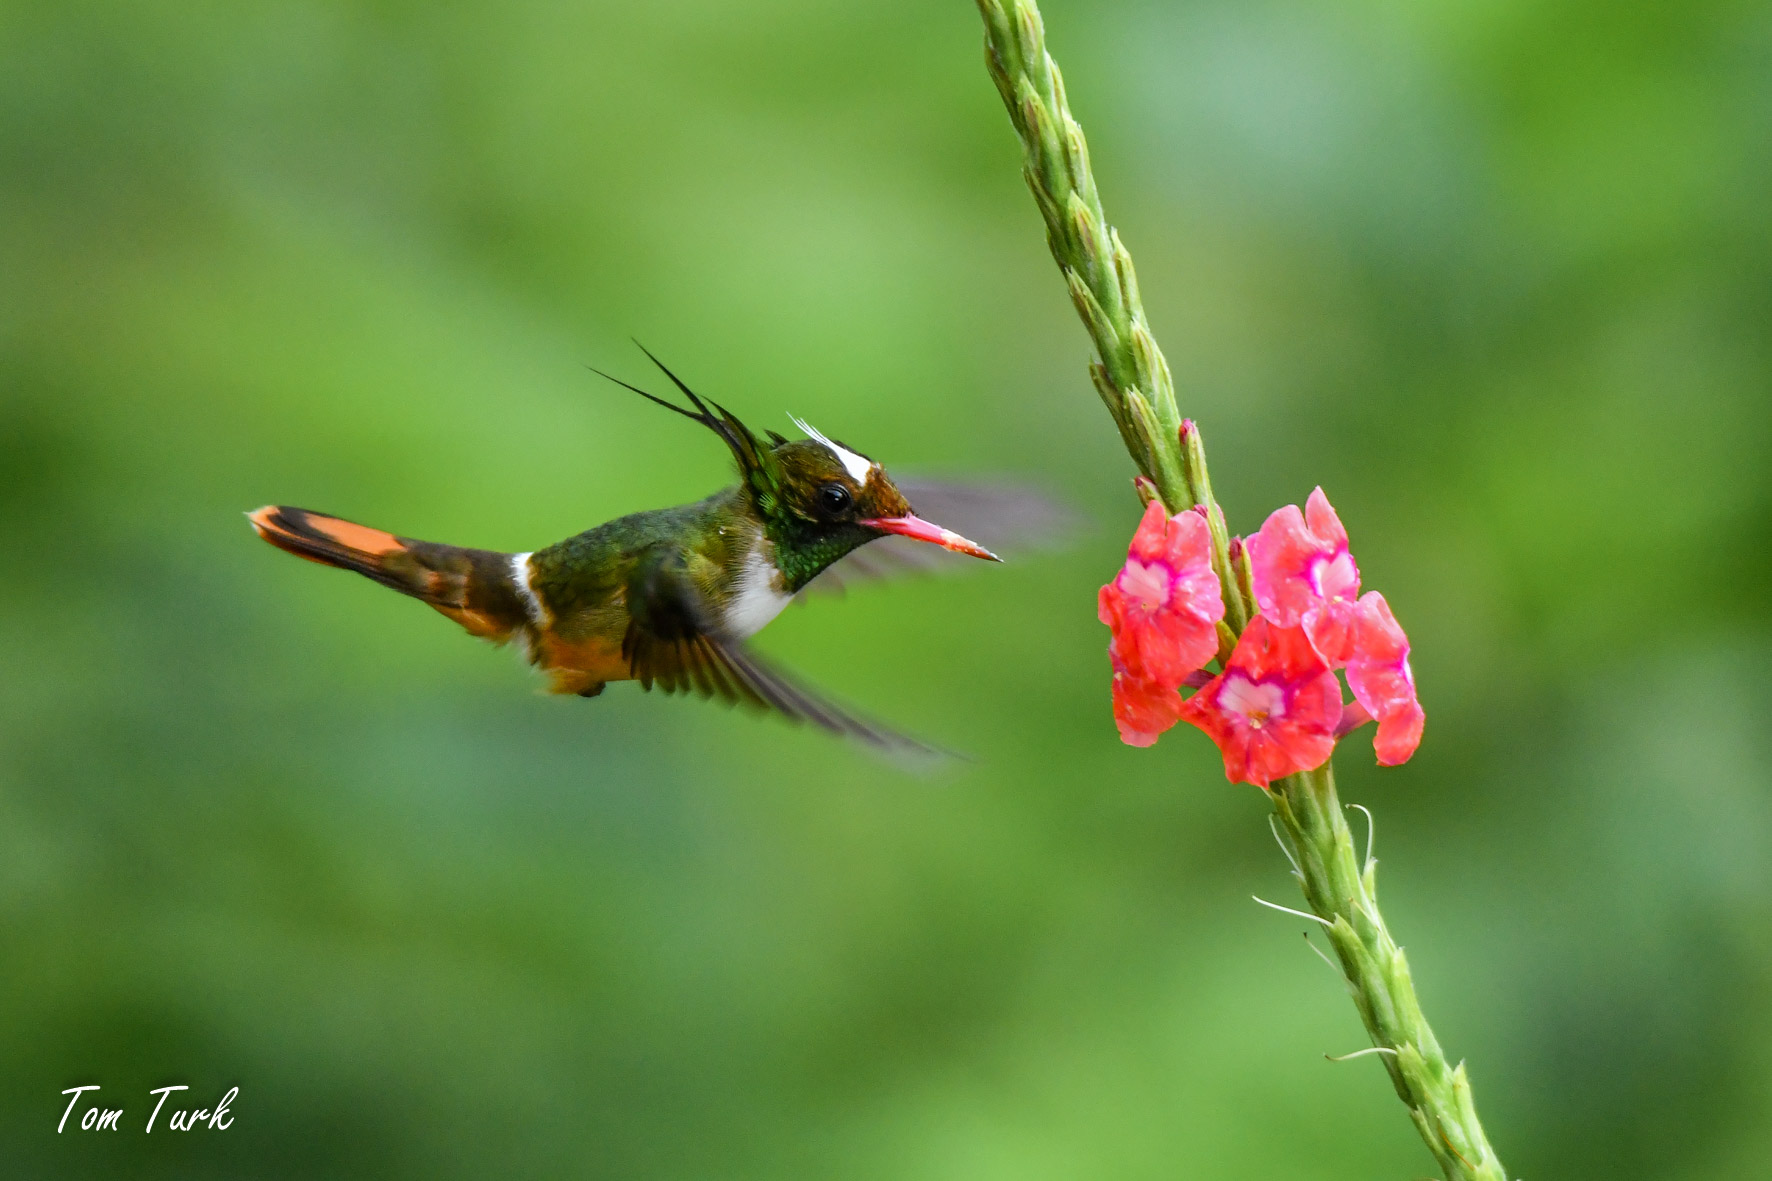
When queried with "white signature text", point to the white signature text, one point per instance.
{"points": [[99, 1117]]}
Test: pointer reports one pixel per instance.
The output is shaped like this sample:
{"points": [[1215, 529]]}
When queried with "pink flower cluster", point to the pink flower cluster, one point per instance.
{"points": [[1164, 607], [1276, 707]]}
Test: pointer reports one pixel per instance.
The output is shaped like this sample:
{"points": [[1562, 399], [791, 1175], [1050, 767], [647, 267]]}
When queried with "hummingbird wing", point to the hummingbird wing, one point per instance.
{"points": [[1009, 518], [673, 644]]}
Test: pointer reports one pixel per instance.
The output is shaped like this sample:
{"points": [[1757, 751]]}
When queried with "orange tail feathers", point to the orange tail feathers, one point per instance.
{"points": [[328, 540], [474, 587]]}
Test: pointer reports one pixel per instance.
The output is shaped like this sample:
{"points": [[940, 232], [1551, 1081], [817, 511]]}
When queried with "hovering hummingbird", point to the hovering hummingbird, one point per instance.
{"points": [[669, 597]]}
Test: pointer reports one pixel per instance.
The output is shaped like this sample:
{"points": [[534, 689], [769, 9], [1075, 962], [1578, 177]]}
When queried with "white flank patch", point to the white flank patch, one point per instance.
{"points": [[858, 466], [520, 576], [759, 597]]}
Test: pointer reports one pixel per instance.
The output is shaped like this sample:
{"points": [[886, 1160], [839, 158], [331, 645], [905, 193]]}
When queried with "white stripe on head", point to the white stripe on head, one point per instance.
{"points": [[858, 466]]}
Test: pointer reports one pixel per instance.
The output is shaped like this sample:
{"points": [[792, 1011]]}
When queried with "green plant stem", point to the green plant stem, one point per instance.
{"points": [[1134, 382], [1130, 375], [1342, 891]]}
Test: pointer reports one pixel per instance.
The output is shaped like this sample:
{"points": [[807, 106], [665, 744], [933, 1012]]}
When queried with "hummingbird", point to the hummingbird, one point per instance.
{"points": [[670, 597]]}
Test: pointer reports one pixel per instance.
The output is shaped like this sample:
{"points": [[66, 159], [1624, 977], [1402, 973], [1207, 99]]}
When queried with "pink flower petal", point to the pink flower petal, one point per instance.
{"points": [[1399, 733], [1304, 575], [1279, 561], [1150, 541], [1142, 710], [1274, 709], [1382, 681], [1323, 520], [1165, 604]]}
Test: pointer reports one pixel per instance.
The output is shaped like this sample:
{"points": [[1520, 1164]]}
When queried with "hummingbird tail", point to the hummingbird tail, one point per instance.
{"points": [[474, 587]]}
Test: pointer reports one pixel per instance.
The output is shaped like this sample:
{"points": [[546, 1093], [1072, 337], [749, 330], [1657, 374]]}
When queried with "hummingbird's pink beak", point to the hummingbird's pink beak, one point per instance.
{"points": [[916, 527]]}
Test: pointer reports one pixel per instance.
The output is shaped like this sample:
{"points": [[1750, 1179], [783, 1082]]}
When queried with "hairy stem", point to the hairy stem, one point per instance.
{"points": [[1342, 890], [1134, 382]]}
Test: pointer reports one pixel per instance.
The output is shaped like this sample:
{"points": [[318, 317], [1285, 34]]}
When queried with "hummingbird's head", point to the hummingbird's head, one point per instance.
{"points": [[841, 493], [818, 499]]}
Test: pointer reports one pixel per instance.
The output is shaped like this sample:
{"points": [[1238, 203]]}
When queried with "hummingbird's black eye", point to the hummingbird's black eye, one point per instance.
{"points": [[834, 499]]}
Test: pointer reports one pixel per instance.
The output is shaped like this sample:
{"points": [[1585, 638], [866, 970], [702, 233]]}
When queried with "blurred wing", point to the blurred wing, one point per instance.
{"points": [[1009, 519], [670, 645]]}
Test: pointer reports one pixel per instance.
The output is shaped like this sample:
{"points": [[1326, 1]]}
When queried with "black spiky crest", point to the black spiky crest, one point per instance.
{"points": [[756, 465]]}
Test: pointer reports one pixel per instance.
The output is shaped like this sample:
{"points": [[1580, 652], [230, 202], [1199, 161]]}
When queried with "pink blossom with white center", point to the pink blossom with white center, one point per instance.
{"points": [[1165, 603], [1274, 709], [1304, 575]]}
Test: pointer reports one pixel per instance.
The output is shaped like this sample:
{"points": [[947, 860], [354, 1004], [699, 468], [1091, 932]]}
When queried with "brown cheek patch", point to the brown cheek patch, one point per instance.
{"points": [[883, 500]]}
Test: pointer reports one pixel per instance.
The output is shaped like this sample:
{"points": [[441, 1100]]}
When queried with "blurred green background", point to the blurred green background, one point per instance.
{"points": [[1498, 275]]}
